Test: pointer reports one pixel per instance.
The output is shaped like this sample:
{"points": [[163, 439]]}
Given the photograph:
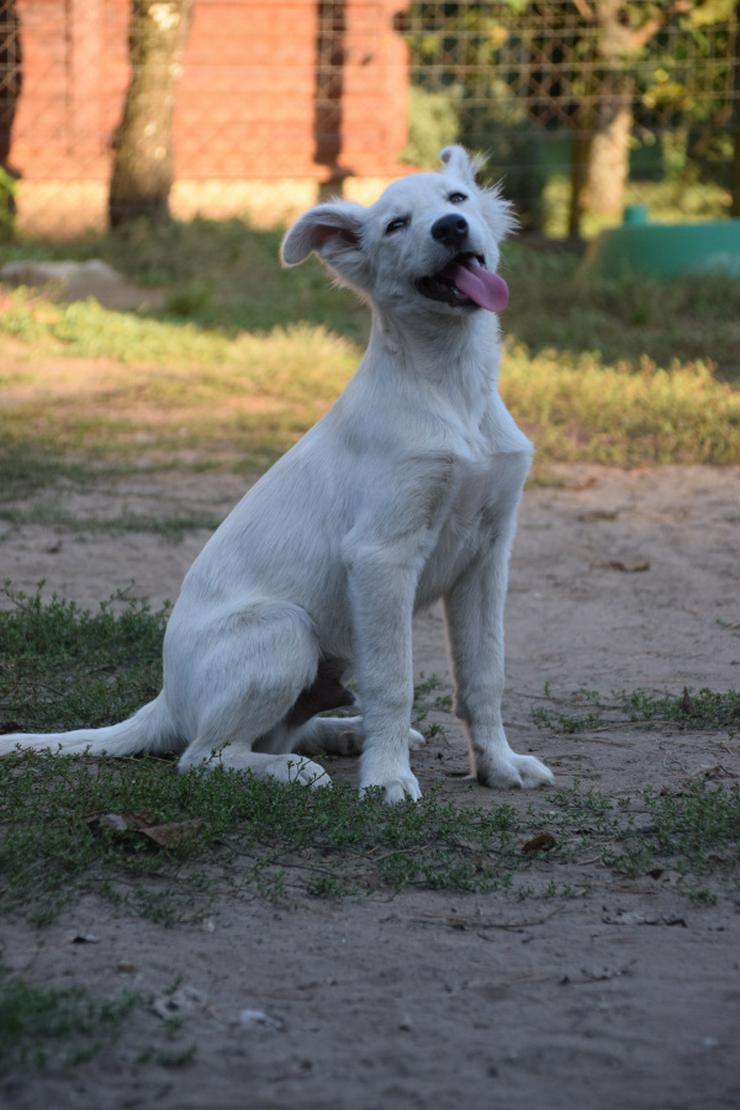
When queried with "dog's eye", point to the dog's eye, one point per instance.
{"points": [[397, 224], [456, 198]]}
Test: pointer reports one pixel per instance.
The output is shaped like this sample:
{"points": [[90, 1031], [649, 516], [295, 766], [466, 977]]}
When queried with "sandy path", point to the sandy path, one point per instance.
{"points": [[618, 581]]}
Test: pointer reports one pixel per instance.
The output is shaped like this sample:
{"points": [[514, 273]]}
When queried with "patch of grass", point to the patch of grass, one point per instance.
{"points": [[672, 201], [695, 831], [246, 833], [175, 393], [578, 409], [250, 398], [27, 468], [43, 1026], [172, 527], [588, 710], [61, 667], [557, 304], [245, 357], [221, 274]]}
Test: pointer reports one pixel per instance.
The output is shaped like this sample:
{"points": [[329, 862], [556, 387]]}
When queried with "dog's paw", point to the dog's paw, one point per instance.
{"points": [[509, 770], [397, 782], [397, 789], [294, 768]]}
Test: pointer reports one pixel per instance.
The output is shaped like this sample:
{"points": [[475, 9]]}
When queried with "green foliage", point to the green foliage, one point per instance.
{"points": [[60, 1026], [609, 371], [66, 665], [694, 831], [61, 666], [8, 191], [675, 199], [587, 710], [520, 72], [432, 124]]}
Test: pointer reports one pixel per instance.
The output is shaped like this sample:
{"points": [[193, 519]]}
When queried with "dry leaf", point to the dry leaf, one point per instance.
{"points": [[628, 568], [598, 514], [542, 842], [172, 834]]}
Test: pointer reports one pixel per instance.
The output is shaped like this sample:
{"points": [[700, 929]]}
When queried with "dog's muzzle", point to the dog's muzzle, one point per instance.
{"points": [[466, 283]]}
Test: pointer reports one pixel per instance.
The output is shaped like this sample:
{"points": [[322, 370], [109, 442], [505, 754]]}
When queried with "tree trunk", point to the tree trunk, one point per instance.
{"points": [[143, 167], [735, 178], [11, 79], [580, 156], [609, 154], [608, 166]]}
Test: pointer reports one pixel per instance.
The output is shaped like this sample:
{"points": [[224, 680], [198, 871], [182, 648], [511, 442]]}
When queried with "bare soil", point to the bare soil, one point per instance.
{"points": [[627, 995]]}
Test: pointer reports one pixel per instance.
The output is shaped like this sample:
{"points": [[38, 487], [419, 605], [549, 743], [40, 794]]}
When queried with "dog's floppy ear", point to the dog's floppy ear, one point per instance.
{"points": [[457, 160], [333, 230]]}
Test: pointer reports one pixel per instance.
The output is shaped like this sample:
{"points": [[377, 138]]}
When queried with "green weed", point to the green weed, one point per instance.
{"points": [[244, 357], [61, 666], [588, 710], [41, 1026]]}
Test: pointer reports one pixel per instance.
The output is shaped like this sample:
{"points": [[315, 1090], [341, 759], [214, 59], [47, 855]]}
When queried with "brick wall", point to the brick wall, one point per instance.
{"points": [[271, 90]]}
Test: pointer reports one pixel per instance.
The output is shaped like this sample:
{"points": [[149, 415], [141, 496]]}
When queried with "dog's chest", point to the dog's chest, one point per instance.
{"points": [[485, 497]]}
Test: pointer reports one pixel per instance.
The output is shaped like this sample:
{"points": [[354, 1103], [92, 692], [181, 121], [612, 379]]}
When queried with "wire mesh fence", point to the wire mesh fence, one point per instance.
{"points": [[256, 107], [588, 96]]}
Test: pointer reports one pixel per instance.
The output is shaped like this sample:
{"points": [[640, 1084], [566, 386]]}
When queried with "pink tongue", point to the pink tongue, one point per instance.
{"points": [[482, 286]]}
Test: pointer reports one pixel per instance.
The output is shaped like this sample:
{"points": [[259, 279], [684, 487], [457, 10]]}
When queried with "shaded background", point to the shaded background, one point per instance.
{"points": [[249, 108]]}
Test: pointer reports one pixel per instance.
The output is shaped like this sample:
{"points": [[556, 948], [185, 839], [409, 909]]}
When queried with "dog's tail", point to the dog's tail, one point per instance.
{"points": [[149, 730]]}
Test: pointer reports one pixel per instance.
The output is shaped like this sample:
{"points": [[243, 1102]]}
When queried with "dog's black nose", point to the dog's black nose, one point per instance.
{"points": [[450, 230]]}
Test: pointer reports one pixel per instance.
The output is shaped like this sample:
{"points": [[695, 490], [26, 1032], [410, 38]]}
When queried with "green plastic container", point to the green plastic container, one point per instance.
{"points": [[665, 250]]}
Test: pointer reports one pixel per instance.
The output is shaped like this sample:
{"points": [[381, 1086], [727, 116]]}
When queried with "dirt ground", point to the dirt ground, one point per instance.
{"points": [[628, 996]]}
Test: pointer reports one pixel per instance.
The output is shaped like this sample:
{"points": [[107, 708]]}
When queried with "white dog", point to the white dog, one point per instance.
{"points": [[406, 491]]}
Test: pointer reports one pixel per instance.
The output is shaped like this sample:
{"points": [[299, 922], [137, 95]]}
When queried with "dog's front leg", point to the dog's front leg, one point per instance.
{"points": [[381, 593], [475, 624]]}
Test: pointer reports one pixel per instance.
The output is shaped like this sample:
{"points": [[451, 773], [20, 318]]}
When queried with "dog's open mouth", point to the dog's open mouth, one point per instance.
{"points": [[464, 283]]}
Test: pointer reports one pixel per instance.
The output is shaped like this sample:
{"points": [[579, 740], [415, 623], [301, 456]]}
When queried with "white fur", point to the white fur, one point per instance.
{"points": [[406, 491]]}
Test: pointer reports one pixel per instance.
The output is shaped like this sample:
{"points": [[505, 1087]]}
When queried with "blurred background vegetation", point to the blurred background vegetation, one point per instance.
{"points": [[583, 106]]}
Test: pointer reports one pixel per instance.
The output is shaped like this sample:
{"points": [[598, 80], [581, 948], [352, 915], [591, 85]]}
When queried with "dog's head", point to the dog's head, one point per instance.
{"points": [[430, 242]]}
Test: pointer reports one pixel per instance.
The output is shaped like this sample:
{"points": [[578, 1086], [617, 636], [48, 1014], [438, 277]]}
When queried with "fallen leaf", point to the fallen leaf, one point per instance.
{"points": [[172, 834], [542, 842], [598, 514], [628, 568], [133, 826]]}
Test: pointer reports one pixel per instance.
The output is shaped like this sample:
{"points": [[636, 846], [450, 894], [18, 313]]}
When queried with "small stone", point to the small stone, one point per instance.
{"points": [[258, 1019]]}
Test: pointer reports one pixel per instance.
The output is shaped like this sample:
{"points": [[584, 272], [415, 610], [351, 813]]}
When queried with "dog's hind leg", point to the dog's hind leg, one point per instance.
{"points": [[251, 669], [339, 736]]}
